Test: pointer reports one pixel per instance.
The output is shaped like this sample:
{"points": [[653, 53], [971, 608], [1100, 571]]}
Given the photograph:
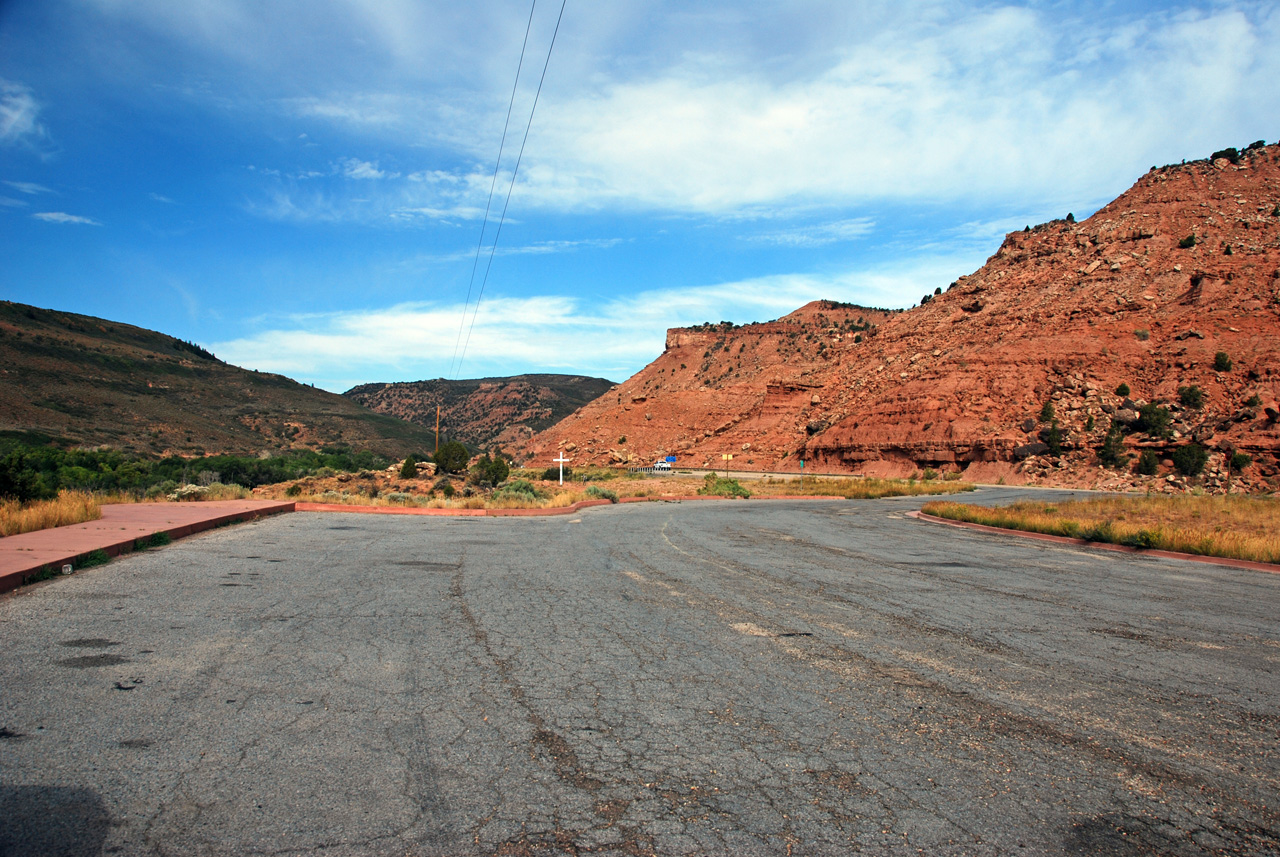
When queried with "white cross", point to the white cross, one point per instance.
{"points": [[562, 461]]}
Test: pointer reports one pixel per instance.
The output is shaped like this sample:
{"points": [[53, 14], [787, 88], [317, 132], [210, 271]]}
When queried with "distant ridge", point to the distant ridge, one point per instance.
{"points": [[91, 382], [484, 412]]}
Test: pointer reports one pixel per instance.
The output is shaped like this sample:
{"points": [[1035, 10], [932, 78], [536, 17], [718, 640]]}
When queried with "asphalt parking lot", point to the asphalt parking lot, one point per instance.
{"points": [[696, 678]]}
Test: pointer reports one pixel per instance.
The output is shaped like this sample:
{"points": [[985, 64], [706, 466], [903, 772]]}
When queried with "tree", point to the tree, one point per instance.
{"points": [[489, 471], [1122, 390], [1054, 440], [1222, 362], [1155, 420], [409, 470], [1148, 464], [1046, 413], [1190, 459], [1191, 397], [452, 457], [1111, 453]]}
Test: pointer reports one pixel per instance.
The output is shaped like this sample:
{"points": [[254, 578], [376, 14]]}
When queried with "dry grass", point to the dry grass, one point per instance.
{"points": [[1234, 527], [69, 507], [861, 488]]}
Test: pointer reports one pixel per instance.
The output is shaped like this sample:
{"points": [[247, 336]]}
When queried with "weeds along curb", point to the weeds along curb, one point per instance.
{"points": [[1251, 565], [532, 513]]}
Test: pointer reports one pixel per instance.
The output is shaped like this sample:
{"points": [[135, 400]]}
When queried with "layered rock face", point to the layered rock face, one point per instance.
{"points": [[1146, 293]]}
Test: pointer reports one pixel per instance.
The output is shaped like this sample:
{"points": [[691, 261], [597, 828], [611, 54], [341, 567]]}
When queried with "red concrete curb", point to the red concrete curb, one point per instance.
{"points": [[1270, 568], [116, 532]]}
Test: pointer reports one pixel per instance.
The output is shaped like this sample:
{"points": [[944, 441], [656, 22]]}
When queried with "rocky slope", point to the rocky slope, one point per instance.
{"points": [[486, 412], [92, 382], [1146, 293]]}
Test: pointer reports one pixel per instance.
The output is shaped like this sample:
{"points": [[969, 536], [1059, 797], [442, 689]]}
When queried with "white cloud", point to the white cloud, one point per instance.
{"points": [[28, 187], [20, 116], [354, 168], [160, 198], [63, 217], [10, 202], [818, 235]]}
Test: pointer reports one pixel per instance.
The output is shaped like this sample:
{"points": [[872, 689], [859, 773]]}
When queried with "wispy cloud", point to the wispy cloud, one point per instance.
{"points": [[63, 217], [160, 198], [540, 248], [818, 235], [20, 116], [353, 168], [10, 202], [28, 187]]}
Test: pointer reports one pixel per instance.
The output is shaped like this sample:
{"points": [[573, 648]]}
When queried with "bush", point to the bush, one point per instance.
{"points": [[1111, 453], [1155, 420], [601, 493], [715, 486], [409, 470], [1188, 242], [452, 457], [489, 471], [1148, 464], [1122, 390], [1253, 401], [1054, 440], [552, 474], [1046, 412], [1190, 459], [1230, 153], [1237, 462], [520, 489], [1191, 397], [1221, 362], [1142, 335]]}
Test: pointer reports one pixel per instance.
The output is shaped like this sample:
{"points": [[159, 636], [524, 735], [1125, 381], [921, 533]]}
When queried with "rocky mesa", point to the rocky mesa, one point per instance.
{"points": [[1171, 292]]}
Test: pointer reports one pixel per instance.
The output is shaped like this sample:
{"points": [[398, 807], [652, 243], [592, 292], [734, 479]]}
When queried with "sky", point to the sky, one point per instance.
{"points": [[314, 188]]}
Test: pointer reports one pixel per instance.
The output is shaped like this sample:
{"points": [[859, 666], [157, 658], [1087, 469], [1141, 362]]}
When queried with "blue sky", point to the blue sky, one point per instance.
{"points": [[300, 186]]}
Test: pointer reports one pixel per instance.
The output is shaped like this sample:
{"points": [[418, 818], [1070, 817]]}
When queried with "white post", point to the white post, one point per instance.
{"points": [[562, 461]]}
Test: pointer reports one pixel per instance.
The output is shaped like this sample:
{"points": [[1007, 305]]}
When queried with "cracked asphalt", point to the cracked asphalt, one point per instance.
{"points": [[699, 678]]}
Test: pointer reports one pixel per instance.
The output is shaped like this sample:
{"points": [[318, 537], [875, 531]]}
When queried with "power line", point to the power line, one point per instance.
{"points": [[462, 322], [502, 218]]}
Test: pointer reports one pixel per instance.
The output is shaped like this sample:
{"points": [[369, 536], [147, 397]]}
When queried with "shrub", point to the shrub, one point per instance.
{"points": [[716, 486], [1142, 335], [1230, 153], [1089, 423], [1054, 440], [1221, 362], [552, 474], [294, 490], [1188, 242], [1190, 459], [452, 457], [1191, 397], [409, 470], [520, 489], [1122, 390], [489, 471], [623, 439], [1148, 464], [1155, 420], [1046, 412], [930, 473], [1238, 462], [1111, 453], [1253, 401], [601, 493], [448, 490]]}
